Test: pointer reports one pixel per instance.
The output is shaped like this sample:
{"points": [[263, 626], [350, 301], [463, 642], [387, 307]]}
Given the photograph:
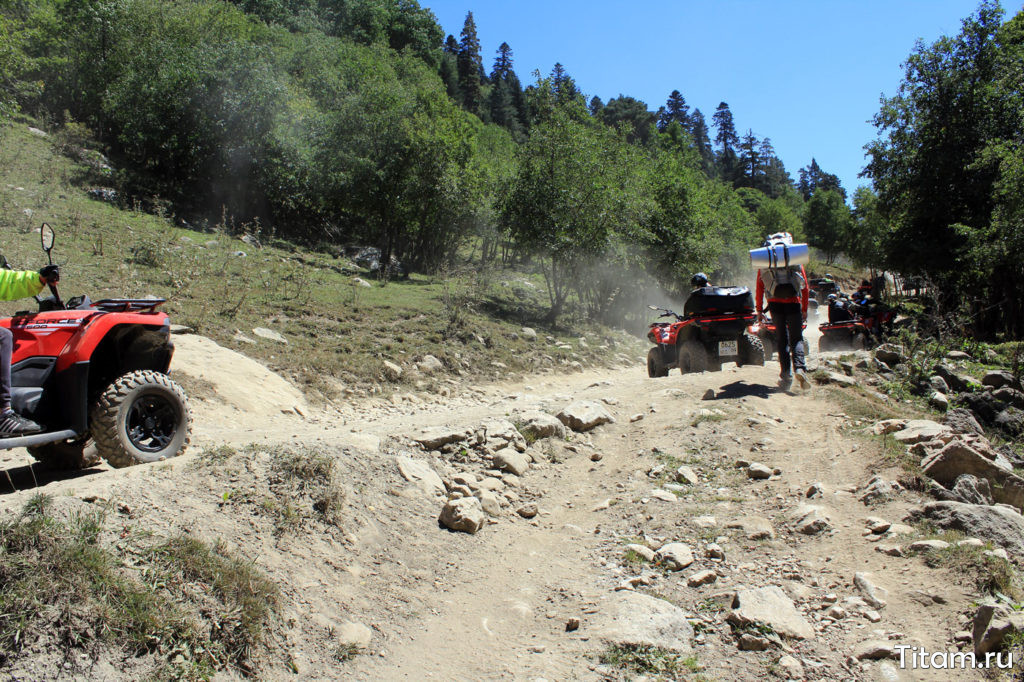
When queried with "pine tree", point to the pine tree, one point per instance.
{"points": [[702, 141], [502, 63], [727, 138], [750, 160], [470, 64], [675, 109], [451, 46], [595, 106]]}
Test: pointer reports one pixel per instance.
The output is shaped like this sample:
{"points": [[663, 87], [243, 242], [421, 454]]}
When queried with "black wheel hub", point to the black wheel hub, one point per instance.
{"points": [[152, 422]]}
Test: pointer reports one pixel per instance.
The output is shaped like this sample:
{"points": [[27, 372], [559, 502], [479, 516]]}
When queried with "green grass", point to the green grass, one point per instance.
{"points": [[194, 608], [987, 574], [632, 558], [649, 660], [338, 333], [304, 484]]}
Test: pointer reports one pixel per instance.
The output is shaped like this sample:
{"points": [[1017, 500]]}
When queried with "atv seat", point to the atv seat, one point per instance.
{"points": [[718, 301]]}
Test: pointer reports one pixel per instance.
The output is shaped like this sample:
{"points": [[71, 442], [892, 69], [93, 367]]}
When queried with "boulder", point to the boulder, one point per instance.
{"points": [[489, 502], [1010, 396], [584, 415], [699, 578], [429, 365], [962, 421], [918, 430], [890, 354], [419, 472], [269, 335], [759, 471], [769, 606], [528, 333], [957, 382], [685, 474], [939, 401], [841, 379], [873, 650], [992, 624], [636, 619], [984, 406], [536, 424], [810, 519], [958, 458], [392, 371], [877, 490], [972, 490], [938, 384], [436, 437], [1011, 420], [996, 524], [675, 556], [999, 378], [511, 461], [754, 527], [887, 426], [465, 515], [500, 433]]}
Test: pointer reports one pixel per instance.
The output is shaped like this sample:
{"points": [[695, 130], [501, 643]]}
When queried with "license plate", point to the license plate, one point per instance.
{"points": [[726, 348]]}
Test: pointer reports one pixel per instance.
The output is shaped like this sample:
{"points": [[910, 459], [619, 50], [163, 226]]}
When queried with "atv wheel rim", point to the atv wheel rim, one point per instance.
{"points": [[152, 421]]}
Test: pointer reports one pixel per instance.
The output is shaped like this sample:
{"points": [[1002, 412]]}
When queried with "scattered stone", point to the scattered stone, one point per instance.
{"points": [[957, 382], [927, 545], [572, 625], [636, 619], [636, 417], [709, 394], [939, 401], [926, 598], [815, 490], [938, 384], [868, 590], [269, 335], [528, 511], [918, 430], [646, 552], [242, 338], [749, 642], [992, 624], [890, 354], [596, 457], [714, 551], [836, 612], [419, 472], [354, 635], [873, 650], [877, 490], [958, 355], [758, 471], [510, 460], [878, 526], [664, 496], [584, 415], [841, 379], [887, 426], [675, 556], [958, 458], [997, 524], [970, 542], [998, 379], [702, 578], [793, 668], [972, 490], [436, 437], [528, 333], [685, 474], [489, 502], [889, 550], [809, 519], [429, 365], [465, 515], [754, 527], [769, 606]]}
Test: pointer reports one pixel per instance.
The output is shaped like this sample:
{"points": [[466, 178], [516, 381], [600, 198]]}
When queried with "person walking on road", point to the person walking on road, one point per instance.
{"points": [[787, 294]]}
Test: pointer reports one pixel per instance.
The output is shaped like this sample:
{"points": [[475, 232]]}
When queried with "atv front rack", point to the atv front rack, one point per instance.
{"points": [[127, 305]]}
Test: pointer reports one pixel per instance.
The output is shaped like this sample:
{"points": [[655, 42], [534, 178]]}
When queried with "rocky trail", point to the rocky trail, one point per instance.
{"points": [[746, 532]]}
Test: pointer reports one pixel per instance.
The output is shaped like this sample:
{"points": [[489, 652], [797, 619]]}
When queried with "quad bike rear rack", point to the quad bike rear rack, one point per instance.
{"points": [[126, 305]]}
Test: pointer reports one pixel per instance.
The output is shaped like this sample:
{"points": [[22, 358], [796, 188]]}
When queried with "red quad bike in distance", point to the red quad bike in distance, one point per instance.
{"points": [[858, 333], [712, 331], [764, 330], [96, 373]]}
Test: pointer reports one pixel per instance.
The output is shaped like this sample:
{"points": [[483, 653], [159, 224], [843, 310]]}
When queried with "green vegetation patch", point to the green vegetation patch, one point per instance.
{"points": [[649, 660], [194, 608]]}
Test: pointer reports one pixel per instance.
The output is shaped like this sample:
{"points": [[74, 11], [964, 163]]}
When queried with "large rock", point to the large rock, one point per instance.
{"points": [[436, 437], [958, 382], [1010, 396], [269, 335], [972, 490], [997, 524], [392, 371], [419, 472], [675, 556], [501, 433], [962, 421], [810, 519], [536, 424], [511, 461], [464, 514], [992, 624], [984, 406], [958, 458], [919, 430], [429, 364], [636, 619], [1011, 420], [584, 415], [999, 378], [754, 527], [771, 607], [890, 354]]}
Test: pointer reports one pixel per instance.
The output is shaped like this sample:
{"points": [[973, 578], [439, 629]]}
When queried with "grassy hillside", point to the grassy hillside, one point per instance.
{"points": [[339, 332]]}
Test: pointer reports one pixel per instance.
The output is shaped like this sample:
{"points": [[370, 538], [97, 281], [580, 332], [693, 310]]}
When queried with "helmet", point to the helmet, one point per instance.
{"points": [[832, 297], [699, 280], [829, 275]]}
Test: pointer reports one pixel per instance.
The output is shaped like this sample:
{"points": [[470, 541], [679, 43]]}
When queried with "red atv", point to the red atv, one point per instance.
{"points": [[713, 330], [764, 330], [96, 373], [859, 333]]}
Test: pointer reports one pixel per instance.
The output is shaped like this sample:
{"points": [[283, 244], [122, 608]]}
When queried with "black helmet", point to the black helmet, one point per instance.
{"points": [[699, 280]]}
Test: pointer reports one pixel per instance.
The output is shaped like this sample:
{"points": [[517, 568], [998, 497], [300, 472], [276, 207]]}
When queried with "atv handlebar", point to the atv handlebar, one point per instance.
{"points": [[665, 312]]}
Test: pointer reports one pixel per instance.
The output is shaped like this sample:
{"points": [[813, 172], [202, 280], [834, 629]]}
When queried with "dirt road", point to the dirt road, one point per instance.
{"points": [[495, 605]]}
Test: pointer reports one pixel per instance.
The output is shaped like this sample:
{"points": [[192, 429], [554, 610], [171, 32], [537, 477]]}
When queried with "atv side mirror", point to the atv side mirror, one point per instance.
{"points": [[46, 237]]}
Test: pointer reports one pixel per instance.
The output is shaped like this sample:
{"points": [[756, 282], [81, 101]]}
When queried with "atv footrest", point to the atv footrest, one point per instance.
{"points": [[36, 439]]}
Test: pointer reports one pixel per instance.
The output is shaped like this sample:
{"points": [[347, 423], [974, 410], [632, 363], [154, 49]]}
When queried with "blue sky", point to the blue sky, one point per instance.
{"points": [[807, 74]]}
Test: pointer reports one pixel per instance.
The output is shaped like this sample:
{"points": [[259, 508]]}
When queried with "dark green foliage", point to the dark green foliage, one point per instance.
{"points": [[947, 168], [631, 116], [813, 178], [676, 110], [827, 222], [470, 64]]}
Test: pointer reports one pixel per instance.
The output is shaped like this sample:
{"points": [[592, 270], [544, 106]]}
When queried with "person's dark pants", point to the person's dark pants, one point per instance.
{"points": [[789, 335], [6, 346]]}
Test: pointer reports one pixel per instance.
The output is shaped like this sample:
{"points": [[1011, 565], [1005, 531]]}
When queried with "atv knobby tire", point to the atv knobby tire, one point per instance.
{"points": [[655, 367], [66, 455], [769, 348], [751, 350], [859, 341], [692, 357], [142, 417], [825, 343]]}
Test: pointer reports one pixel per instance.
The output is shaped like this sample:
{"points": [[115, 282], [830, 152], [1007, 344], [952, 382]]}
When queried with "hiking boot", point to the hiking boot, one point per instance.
{"points": [[13, 424], [801, 378], [785, 381]]}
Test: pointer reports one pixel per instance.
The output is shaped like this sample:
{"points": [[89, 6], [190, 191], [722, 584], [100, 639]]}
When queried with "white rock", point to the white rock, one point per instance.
{"points": [[269, 334], [465, 514], [419, 472], [702, 578], [354, 635], [769, 606], [584, 415], [392, 371], [636, 619], [675, 556]]}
